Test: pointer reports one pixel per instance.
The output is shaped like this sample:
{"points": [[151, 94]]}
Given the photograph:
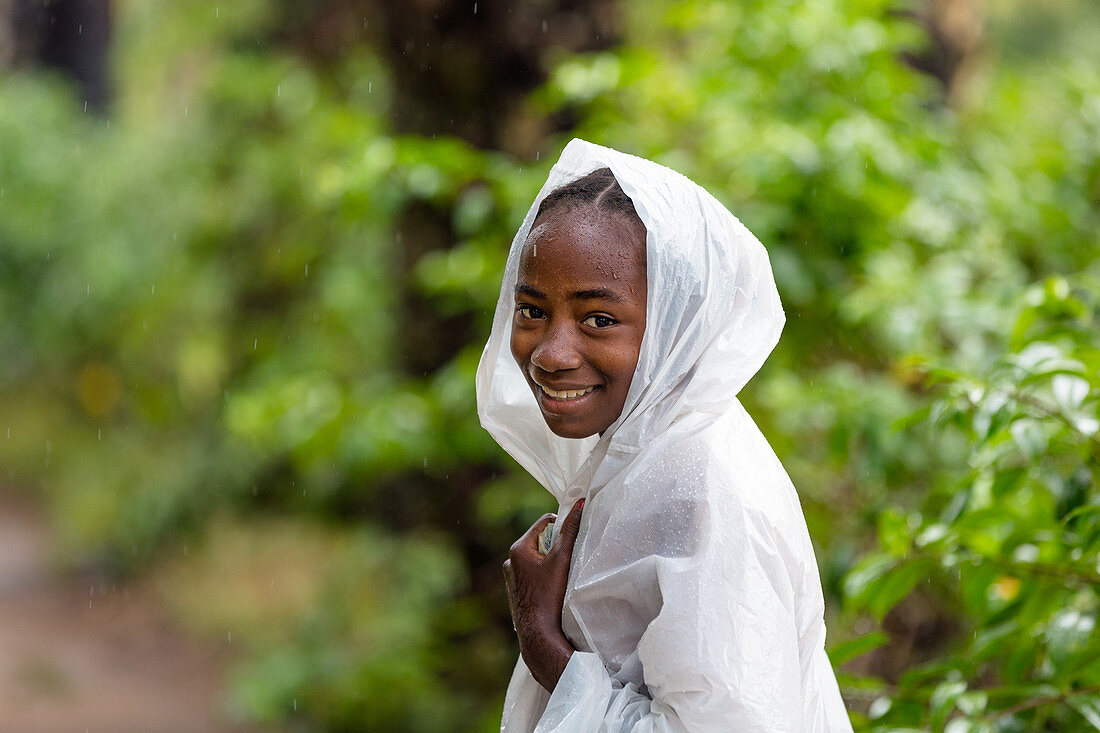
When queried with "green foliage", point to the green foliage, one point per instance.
{"points": [[209, 306], [1009, 534]]}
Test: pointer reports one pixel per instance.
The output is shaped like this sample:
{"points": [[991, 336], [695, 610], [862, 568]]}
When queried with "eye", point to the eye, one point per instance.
{"points": [[598, 320], [529, 311]]}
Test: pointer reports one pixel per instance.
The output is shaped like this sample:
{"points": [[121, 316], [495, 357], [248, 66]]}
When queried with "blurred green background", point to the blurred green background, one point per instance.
{"points": [[246, 273]]}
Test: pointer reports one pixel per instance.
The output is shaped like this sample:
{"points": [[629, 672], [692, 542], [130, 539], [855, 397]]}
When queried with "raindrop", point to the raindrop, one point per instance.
{"points": [[475, 8], [537, 154], [295, 704], [80, 29], [87, 288], [153, 289], [99, 433], [307, 271], [185, 108], [255, 343], [217, 12], [9, 433], [278, 90], [229, 636], [85, 105], [370, 86], [544, 26]]}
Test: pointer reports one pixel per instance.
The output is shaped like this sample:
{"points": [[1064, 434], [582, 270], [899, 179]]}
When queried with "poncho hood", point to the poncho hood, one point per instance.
{"points": [[712, 317]]}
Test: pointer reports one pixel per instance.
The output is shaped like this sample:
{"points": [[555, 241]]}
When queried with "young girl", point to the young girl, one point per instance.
{"points": [[681, 592]]}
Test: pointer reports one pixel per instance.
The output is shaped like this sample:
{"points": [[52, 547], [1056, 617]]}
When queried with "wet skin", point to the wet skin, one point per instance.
{"points": [[580, 316]]}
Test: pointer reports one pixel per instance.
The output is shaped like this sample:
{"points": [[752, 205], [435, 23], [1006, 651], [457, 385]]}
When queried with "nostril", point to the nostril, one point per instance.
{"points": [[555, 355]]}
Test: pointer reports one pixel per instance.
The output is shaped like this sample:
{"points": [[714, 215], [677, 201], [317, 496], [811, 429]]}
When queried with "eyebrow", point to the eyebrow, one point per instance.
{"points": [[591, 294]]}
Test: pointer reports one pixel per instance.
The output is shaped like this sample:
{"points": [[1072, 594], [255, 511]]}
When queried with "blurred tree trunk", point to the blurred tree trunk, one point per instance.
{"points": [[72, 36], [463, 68], [954, 29]]}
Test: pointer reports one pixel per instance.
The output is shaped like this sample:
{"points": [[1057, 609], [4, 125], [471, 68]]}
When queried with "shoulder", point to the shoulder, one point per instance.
{"points": [[726, 463]]}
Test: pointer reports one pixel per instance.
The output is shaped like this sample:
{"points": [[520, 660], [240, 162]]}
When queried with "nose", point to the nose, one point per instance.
{"points": [[557, 350]]}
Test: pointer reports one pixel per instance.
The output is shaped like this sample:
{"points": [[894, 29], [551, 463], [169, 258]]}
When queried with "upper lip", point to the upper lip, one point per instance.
{"points": [[562, 387]]}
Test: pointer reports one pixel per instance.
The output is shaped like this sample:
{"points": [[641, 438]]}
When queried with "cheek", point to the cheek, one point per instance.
{"points": [[519, 346], [628, 359]]}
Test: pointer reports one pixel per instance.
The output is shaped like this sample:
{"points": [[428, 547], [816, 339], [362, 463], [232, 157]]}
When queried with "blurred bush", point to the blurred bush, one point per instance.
{"points": [[213, 306]]}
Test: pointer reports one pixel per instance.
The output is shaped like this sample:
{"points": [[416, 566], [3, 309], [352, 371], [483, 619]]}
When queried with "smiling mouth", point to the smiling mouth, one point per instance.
{"points": [[565, 395]]}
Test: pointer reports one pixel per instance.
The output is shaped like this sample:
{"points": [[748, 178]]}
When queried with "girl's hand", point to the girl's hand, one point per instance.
{"points": [[536, 592]]}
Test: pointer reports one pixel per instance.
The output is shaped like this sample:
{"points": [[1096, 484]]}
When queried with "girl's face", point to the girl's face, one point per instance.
{"points": [[580, 316]]}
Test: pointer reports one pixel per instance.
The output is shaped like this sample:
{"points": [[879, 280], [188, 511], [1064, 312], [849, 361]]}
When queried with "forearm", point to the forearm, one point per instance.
{"points": [[546, 652]]}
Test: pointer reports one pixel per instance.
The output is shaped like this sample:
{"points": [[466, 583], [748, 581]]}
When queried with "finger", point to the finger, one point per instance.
{"points": [[567, 536], [530, 539]]}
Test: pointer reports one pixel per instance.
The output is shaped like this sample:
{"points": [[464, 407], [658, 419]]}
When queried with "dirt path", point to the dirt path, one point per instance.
{"points": [[85, 657]]}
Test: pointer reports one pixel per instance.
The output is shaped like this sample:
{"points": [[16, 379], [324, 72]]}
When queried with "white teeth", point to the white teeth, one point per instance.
{"points": [[567, 394]]}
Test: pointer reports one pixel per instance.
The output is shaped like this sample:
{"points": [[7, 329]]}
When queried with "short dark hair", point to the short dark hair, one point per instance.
{"points": [[599, 190]]}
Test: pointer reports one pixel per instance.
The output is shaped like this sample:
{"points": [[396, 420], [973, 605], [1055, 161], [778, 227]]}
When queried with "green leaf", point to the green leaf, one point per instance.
{"points": [[894, 586], [943, 700], [1081, 511], [1088, 707], [859, 646], [868, 571], [893, 531]]}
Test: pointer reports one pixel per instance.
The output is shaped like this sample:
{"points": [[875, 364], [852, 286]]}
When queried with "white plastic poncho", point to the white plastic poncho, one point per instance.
{"points": [[693, 597]]}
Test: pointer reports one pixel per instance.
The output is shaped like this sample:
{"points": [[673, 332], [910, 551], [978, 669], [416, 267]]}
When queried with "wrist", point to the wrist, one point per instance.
{"points": [[546, 652]]}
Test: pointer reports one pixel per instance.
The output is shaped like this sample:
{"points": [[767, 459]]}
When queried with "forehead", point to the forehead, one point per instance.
{"points": [[584, 243]]}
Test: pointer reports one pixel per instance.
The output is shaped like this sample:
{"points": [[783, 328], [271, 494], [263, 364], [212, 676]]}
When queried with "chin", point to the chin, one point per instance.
{"points": [[575, 432]]}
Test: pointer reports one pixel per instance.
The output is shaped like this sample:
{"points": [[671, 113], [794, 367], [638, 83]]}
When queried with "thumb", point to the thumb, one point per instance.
{"points": [[569, 529]]}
